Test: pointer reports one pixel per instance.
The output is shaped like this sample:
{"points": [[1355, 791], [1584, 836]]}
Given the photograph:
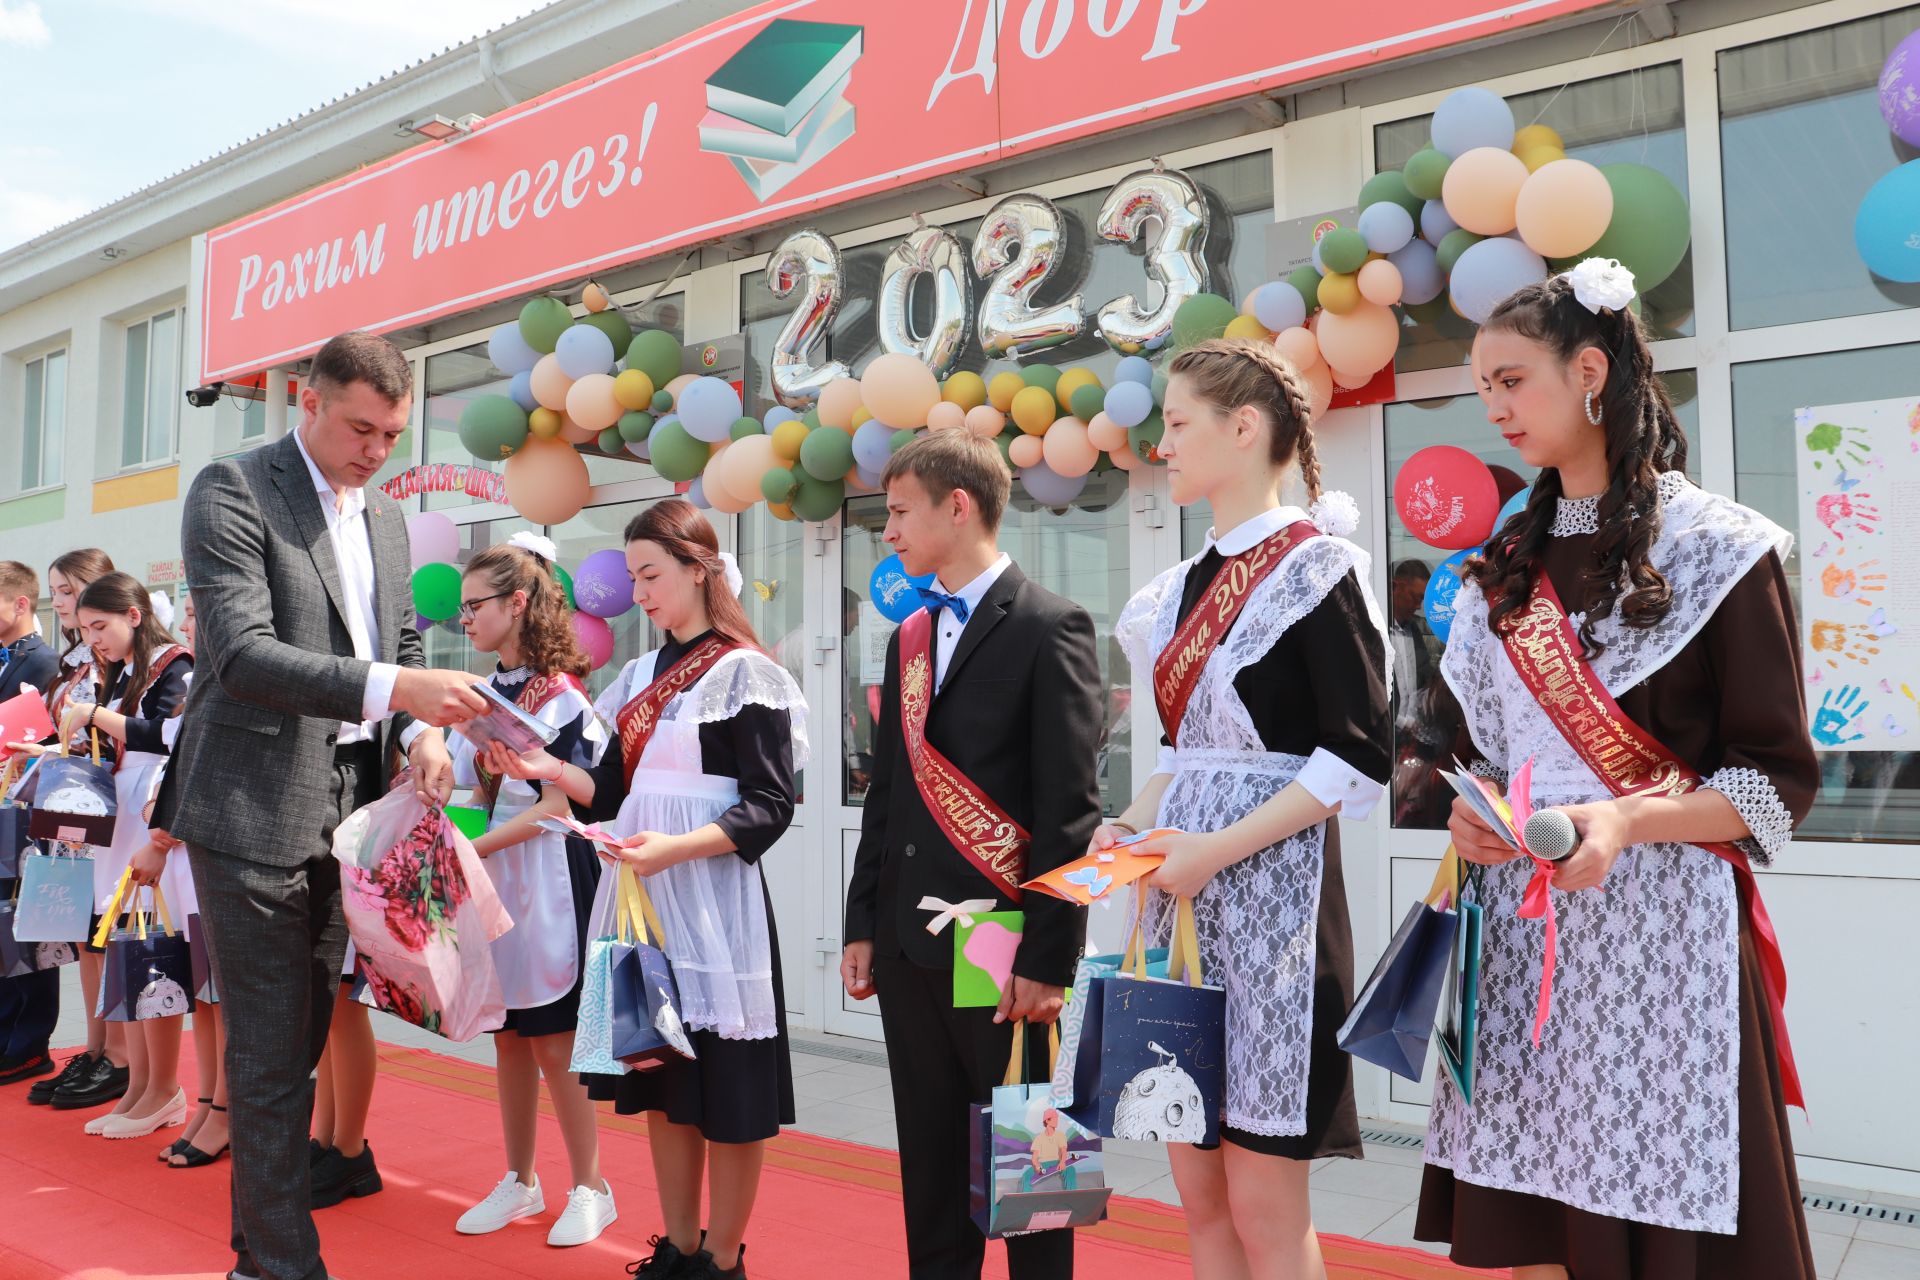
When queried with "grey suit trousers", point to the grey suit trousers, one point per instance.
{"points": [[277, 939]]}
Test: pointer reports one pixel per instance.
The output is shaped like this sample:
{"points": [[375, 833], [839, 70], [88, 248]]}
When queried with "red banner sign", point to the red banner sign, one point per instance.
{"points": [[761, 117]]}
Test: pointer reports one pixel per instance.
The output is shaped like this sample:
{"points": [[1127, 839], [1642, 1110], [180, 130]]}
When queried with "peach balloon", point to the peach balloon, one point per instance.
{"points": [[546, 481], [1380, 283], [986, 421], [1320, 389], [744, 462], [595, 297], [1298, 347], [573, 433], [1026, 451], [946, 416], [1124, 459], [1564, 209], [550, 383], [900, 389], [1067, 449], [1362, 340], [713, 483], [1346, 380], [1481, 188], [1105, 433], [839, 401], [591, 402]]}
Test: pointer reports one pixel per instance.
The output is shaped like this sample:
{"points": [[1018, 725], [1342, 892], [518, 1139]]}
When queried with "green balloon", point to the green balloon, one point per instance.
{"points": [[611, 323], [779, 484], [1203, 316], [744, 427], [827, 454], [542, 321], [1390, 185], [1650, 226], [1424, 174], [1343, 250], [1087, 401], [1307, 281], [1004, 443], [812, 418], [1452, 245], [633, 427], [1159, 388], [1429, 312], [492, 427], [900, 440], [1044, 376], [656, 353], [436, 591], [676, 455], [1144, 438], [1102, 462], [819, 499], [663, 401], [566, 583], [611, 441]]}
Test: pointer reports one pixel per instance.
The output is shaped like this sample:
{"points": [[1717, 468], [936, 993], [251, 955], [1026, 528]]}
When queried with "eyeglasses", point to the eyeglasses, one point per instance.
{"points": [[470, 607]]}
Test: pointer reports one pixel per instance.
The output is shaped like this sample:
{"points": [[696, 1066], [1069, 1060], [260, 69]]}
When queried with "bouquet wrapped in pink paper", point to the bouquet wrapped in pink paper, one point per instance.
{"points": [[422, 911]]}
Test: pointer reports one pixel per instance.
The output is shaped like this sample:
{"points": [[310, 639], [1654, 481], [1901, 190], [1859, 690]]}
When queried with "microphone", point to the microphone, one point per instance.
{"points": [[1549, 834]]}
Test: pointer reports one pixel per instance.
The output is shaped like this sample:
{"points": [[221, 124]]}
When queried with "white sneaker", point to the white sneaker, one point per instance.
{"points": [[588, 1213], [509, 1202]]}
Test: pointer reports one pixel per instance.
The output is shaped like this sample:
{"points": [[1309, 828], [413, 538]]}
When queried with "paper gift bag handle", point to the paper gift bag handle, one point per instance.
{"points": [[638, 919], [1135, 959], [115, 904], [1183, 954], [1017, 1060]]}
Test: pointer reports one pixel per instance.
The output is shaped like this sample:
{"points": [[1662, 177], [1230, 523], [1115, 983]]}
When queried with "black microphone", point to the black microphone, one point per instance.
{"points": [[1549, 834]]}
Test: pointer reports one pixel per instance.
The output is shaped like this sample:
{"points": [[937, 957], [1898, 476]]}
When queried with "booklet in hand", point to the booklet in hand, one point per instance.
{"points": [[1486, 801], [1087, 879], [562, 825], [507, 724]]}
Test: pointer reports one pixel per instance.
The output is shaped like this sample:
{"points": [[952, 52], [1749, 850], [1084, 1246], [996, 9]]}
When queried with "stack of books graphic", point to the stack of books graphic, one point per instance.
{"points": [[779, 105]]}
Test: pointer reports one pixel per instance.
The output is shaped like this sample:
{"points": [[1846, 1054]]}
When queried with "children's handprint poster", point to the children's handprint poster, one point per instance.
{"points": [[1859, 472]]}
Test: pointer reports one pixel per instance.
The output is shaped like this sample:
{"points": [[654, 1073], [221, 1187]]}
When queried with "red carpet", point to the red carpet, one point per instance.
{"points": [[82, 1208]]}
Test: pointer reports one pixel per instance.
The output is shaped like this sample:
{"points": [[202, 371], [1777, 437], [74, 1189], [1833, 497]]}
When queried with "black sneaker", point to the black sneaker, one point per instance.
{"points": [[42, 1092], [25, 1067], [336, 1177], [101, 1083], [666, 1262], [702, 1267]]}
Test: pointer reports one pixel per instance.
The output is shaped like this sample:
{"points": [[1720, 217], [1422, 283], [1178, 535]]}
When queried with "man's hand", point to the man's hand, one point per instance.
{"points": [[1036, 1002], [432, 768], [856, 969], [436, 697]]}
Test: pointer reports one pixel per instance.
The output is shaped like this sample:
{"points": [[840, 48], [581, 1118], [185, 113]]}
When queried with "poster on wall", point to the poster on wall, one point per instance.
{"points": [[1858, 467]]}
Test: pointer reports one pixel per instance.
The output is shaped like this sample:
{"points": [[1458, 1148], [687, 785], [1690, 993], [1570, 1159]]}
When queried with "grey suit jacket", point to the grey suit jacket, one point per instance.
{"points": [[274, 672]]}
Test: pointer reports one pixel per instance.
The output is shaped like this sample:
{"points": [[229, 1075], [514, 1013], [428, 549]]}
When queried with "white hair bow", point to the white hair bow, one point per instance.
{"points": [[539, 544], [162, 605], [731, 567]]}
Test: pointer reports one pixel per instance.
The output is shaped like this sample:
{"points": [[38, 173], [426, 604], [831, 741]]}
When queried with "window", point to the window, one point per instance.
{"points": [[44, 421], [1428, 729], [1080, 554], [152, 391], [1634, 117], [1801, 140], [1864, 795]]}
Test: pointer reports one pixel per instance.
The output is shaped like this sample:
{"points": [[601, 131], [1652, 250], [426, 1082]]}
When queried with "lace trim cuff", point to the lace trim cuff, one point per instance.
{"points": [[1491, 772], [1338, 785], [1759, 805]]}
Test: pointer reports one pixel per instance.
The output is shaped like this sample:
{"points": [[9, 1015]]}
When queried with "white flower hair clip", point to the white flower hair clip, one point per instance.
{"points": [[539, 544], [1335, 513], [731, 567], [1602, 283]]}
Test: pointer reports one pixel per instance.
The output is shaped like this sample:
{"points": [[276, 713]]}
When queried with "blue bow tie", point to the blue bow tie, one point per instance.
{"points": [[941, 600]]}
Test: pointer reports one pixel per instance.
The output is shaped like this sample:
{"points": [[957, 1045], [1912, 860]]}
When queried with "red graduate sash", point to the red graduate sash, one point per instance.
{"points": [[1546, 651], [640, 717], [1176, 672], [534, 696], [981, 830]]}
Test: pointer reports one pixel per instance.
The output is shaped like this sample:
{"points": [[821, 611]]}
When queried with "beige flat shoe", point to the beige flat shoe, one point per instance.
{"points": [[170, 1116]]}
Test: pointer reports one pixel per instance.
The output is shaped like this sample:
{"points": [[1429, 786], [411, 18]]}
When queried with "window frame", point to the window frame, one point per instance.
{"points": [[170, 452], [52, 442]]}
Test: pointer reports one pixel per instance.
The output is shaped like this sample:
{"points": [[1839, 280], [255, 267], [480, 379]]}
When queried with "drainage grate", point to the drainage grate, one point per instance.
{"points": [[1390, 1138], [1867, 1212], [840, 1052]]}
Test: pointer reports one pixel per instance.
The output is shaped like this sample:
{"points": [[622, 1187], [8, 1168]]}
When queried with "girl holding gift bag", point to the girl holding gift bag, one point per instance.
{"points": [[512, 605], [699, 781], [1629, 1111], [1269, 666]]}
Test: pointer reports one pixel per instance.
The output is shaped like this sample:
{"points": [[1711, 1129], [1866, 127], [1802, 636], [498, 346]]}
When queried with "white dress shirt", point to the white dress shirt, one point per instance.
{"points": [[951, 627], [353, 552]]}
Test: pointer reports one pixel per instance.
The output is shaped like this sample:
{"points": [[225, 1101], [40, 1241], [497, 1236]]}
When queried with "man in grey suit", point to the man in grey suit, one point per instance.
{"points": [[308, 668]]}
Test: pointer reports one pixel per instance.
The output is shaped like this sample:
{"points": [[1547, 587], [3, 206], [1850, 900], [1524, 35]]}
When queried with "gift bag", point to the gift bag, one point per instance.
{"points": [[983, 948], [1073, 1016], [204, 991], [1031, 1168], [147, 972], [1460, 1007], [1392, 1018], [1152, 1057], [56, 897], [18, 958], [593, 1027], [14, 821], [646, 1024], [423, 913], [73, 799]]}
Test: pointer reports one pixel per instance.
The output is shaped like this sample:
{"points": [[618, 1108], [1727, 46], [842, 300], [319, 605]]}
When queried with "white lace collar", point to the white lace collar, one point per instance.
{"points": [[1575, 516], [1249, 534]]}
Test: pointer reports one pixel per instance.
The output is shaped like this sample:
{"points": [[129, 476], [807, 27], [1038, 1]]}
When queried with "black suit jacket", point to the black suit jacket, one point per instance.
{"points": [[32, 663], [1020, 715]]}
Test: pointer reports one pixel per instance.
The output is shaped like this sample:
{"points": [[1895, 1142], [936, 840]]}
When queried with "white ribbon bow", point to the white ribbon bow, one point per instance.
{"points": [[951, 911]]}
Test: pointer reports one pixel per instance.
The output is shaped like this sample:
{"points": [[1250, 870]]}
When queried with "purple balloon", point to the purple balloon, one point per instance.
{"points": [[601, 586], [1421, 279], [1435, 222], [1900, 90], [1490, 270], [1048, 487]]}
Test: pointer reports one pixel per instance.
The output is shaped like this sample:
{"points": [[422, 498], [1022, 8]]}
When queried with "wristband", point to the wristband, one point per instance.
{"points": [[1128, 827]]}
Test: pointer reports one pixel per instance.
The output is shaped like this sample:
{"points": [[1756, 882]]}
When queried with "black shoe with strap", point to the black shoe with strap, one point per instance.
{"points": [[666, 1262], [181, 1144], [192, 1157], [42, 1092]]}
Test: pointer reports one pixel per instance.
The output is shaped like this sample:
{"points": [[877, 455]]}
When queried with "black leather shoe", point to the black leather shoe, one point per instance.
{"points": [[666, 1262], [702, 1267], [336, 1177], [102, 1083], [42, 1092], [25, 1067]]}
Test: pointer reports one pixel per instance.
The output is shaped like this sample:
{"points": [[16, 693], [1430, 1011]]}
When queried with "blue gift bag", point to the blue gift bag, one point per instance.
{"points": [[1030, 1167], [1073, 1016], [56, 897], [646, 1024], [1392, 1018]]}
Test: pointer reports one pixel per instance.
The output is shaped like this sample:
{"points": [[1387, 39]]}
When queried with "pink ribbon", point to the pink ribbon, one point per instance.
{"points": [[1537, 902]]}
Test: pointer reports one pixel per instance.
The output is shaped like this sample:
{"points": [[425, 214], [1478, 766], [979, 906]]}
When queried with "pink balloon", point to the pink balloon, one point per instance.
{"points": [[1482, 188], [1105, 433], [1026, 450], [1362, 341], [1125, 459], [986, 421], [1299, 347], [1447, 497], [550, 383], [1564, 208], [1380, 282], [596, 637], [434, 538], [591, 405], [947, 416]]}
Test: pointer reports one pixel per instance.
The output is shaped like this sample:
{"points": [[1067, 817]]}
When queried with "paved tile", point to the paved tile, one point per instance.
{"points": [[1161, 1189], [1374, 1179], [1898, 1234], [1398, 1231], [1350, 1215], [1828, 1251], [1868, 1260], [836, 1119]]}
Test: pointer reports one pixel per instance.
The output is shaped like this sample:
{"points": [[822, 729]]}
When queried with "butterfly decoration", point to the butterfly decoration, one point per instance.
{"points": [[766, 590], [1091, 879], [1893, 728], [1880, 625]]}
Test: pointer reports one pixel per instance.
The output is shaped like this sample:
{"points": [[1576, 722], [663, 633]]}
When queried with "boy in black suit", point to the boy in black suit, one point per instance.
{"points": [[29, 1004], [983, 776]]}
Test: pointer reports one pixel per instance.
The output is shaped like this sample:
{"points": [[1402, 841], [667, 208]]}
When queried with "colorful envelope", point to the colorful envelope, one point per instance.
{"points": [[1088, 879]]}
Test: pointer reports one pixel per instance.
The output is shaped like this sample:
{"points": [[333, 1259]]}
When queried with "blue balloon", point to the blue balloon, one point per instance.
{"points": [[697, 494], [777, 415], [1472, 117], [1887, 228], [509, 351], [708, 409], [1435, 222], [1277, 305], [1442, 587], [1385, 226], [893, 592], [872, 445], [1515, 505], [1134, 369], [1489, 271], [1048, 487], [1129, 403], [521, 391], [1421, 279], [583, 349]]}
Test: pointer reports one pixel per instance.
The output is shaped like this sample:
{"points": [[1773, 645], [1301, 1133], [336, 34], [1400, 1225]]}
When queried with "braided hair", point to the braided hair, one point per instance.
{"points": [[1231, 373], [1643, 438]]}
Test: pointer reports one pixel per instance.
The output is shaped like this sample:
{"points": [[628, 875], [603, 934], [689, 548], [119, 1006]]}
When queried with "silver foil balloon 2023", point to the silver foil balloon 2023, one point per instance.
{"points": [[807, 260], [1010, 325], [1174, 260], [936, 254]]}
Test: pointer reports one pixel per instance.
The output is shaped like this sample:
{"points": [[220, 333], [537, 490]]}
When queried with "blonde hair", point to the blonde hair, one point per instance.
{"points": [[1231, 373]]}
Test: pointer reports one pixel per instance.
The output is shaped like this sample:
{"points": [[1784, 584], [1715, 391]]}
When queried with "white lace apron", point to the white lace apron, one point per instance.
{"points": [[1258, 918], [713, 910], [538, 960], [1630, 1106]]}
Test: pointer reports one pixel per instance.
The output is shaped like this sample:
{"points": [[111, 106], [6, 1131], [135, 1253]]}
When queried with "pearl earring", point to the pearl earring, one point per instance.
{"points": [[1592, 417]]}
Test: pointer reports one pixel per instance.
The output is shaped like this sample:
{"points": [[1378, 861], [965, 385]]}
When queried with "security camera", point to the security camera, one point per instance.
{"points": [[205, 397]]}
